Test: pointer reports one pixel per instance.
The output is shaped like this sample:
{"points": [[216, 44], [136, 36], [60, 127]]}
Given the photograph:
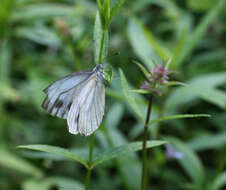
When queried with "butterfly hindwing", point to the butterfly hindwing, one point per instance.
{"points": [[87, 110]]}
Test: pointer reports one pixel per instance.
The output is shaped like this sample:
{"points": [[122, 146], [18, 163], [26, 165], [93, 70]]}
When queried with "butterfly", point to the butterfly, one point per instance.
{"points": [[79, 98]]}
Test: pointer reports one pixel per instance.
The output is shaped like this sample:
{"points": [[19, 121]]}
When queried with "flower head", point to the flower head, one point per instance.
{"points": [[172, 153], [159, 75], [157, 78]]}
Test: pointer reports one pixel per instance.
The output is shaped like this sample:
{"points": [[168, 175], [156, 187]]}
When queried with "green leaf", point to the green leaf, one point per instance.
{"points": [[14, 162], [114, 115], [107, 12], [140, 91], [214, 96], [33, 184], [198, 33], [101, 41], [123, 149], [204, 87], [175, 83], [41, 11], [48, 182], [200, 5], [56, 150], [8, 93], [116, 5], [145, 44], [181, 43], [39, 34], [5, 60], [219, 182], [208, 141], [190, 161], [143, 69], [125, 165], [100, 7], [128, 96], [182, 116]]}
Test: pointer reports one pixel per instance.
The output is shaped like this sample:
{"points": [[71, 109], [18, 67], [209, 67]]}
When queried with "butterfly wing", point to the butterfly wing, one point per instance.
{"points": [[60, 93], [87, 110]]}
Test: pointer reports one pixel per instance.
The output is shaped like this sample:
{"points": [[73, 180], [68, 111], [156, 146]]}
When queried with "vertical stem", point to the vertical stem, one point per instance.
{"points": [[88, 174], [144, 151]]}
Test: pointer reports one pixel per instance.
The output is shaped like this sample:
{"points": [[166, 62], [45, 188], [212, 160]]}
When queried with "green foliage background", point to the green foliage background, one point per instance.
{"points": [[41, 41]]}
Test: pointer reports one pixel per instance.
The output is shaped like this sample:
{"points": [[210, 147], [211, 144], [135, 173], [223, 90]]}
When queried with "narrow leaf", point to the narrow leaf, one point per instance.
{"points": [[190, 161], [14, 162], [219, 182], [198, 33], [143, 69], [41, 10], [208, 141], [101, 41], [144, 44], [140, 91], [178, 117], [128, 96], [56, 150], [117, 4], [175, 83], [204, 86], [124, 149]]}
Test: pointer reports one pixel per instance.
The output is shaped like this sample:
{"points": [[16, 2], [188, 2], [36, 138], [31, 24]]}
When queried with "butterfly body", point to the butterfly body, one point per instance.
{"points": [[79, 98]]}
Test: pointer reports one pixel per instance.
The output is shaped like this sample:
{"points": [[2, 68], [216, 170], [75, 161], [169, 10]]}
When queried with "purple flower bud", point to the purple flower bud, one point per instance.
{"points": [[172, 153], [145, 86], [159, 75]]}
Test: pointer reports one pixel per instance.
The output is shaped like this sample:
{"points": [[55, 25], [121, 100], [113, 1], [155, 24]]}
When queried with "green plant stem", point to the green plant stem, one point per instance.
{"points": [[89, 171], [144, 151]]}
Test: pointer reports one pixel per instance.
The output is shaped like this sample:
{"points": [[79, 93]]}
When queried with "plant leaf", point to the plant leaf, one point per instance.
{"points": [[219, 182], [198, 33], [48, 182], [143, 69], [200, 87], [145, 44], [175, 83], [116, 5], [56, 150], [129, 97], [12, 161], [100, 37], [38, 34], [140, 91], [208, 141], [182, 116], [190, 161], [41, 10], [123, 149]]}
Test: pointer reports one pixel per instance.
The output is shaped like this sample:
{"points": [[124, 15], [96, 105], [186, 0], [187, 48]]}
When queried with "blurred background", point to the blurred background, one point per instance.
{"points": [[41, 41]]}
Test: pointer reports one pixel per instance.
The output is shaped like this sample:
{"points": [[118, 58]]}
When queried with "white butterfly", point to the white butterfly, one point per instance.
{"points": [[79, 98]]}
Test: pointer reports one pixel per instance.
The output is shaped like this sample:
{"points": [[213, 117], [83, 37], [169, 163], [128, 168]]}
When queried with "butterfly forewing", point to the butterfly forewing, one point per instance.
{"points": [[60, 94]]}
